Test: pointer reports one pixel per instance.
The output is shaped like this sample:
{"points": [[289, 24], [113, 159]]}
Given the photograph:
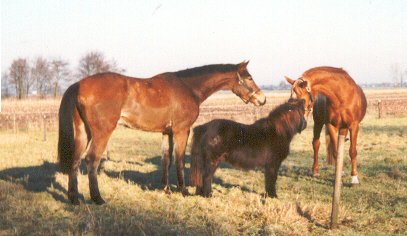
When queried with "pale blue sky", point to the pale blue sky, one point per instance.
{"points": [[149, 37]]}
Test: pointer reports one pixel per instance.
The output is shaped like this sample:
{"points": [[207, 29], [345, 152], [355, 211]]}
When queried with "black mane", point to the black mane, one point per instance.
{"points": [[277, 123], [208, 69]]}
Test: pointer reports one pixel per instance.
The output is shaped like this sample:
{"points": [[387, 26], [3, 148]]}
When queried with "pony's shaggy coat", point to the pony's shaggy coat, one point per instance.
{"points": [[266, 143]]}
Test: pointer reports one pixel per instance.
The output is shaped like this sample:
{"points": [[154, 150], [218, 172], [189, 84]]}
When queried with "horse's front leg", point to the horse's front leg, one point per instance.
{"points": [[209, 170], [315, 145], [167, 149], [180, 141], [270, 175]]}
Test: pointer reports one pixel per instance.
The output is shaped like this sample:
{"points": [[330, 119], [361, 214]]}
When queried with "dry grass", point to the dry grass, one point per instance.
{"points": [[33, 194]]}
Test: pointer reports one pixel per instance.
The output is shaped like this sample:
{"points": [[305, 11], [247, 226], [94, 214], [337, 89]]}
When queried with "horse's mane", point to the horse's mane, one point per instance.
{"points": [[283, 120], [326, 70], [204, 70]]}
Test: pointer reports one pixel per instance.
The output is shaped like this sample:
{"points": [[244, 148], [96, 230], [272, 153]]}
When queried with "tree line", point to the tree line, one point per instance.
{"points": [[44, 77]]}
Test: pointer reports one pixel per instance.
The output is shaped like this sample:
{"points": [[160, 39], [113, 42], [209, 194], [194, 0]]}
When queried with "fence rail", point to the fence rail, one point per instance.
{"points": [[23, 121], [391, 107]]}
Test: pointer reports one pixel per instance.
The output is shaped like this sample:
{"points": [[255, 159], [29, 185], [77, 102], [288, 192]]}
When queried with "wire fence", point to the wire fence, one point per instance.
{"points": [[48, 121]]}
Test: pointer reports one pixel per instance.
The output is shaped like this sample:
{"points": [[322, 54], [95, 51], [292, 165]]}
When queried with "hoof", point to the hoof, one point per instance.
{"points": [[270, 195], [73, 198], [75, 201], [185, 192], [207, 195], [198, 191], [98, 201], [101, 167], [313, 173], [354, 181], [167, 190]]}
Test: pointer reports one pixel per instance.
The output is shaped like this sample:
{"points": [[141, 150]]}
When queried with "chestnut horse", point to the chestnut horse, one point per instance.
{"points": [[266, 143], [341, 108], [168, 103]]}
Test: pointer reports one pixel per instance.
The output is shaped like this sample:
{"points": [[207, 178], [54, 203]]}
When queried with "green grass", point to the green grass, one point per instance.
{"points": [[33, 194]]}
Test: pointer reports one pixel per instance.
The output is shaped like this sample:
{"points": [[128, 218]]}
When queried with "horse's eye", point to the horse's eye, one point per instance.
{"points": [[249, 77]]}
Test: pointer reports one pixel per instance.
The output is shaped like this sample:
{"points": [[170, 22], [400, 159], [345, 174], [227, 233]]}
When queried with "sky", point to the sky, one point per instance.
{"points": [[150, 37]]}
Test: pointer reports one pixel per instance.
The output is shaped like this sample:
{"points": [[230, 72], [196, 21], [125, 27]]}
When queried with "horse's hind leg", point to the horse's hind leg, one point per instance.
{"points": [[315, 145], [180, 140], [333, 135], [354, 130], [81, 141], [100, 137], [167, 149]]}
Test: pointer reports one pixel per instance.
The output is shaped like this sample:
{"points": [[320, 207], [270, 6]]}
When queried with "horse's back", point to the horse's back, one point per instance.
{"points": [[216, 132], [352, 95], [103, 86]]}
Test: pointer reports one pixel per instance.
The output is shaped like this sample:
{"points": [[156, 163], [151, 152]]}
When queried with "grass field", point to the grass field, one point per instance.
{"points": [[33, 194]]}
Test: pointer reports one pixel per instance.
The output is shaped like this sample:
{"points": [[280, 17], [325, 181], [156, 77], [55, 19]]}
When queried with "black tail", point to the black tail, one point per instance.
{"points": [[197, 162], [329, 148], [66, 143]]}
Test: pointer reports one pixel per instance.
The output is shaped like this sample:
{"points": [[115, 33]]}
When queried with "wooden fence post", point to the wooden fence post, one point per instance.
{"points": [[45, 126], [380, 108], [14, 123], [338, 182]]}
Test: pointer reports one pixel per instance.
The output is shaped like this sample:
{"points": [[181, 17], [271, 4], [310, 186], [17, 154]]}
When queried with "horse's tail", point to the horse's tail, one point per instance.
{"points": [[197, 162], [66, 143], [329, 148]]}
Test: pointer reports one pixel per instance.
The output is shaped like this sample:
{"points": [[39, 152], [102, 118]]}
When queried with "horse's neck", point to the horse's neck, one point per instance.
{"points": [[205, 86]]}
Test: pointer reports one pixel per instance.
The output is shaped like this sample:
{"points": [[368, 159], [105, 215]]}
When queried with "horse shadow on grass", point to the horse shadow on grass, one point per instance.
{"points": [[37, 179], [153, 180]]}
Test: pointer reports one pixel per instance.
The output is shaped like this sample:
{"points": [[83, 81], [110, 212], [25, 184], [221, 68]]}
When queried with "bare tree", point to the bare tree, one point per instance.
{"points": [[94, 63], [60, 73], [5, 85], [41, 75], [397, 75], [19, 75]]}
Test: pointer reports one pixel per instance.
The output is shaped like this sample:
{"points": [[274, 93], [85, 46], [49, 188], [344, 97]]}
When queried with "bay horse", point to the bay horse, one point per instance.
{"points": [[265, 143], [341, 108], [168, 103]]}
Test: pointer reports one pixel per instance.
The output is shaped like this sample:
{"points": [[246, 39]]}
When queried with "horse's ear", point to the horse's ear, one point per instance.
{"points": [[242, 65], [290, 81]]}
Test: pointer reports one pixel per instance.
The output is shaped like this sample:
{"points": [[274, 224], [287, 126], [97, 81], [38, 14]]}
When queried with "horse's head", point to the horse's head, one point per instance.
{"points": [[302, 90], [245, 87], [297, 111], [288, 118]]}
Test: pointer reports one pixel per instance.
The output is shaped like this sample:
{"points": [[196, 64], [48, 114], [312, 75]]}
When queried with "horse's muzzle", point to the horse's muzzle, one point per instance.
{"points": [[259, 98]]}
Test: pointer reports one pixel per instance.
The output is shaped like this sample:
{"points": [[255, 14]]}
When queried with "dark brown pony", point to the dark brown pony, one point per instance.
{"points": [[266, 143], [341, 108], [168, 103]]}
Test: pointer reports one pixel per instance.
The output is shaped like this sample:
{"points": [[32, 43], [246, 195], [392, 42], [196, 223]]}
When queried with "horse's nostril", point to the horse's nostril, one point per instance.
{"points": [[261, 99]]}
